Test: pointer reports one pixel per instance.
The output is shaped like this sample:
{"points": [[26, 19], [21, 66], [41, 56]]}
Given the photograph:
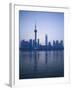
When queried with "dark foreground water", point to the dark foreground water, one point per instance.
{"points": [[41, 64]]}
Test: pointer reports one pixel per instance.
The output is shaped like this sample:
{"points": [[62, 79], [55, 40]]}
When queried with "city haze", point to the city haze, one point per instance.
{"points": [[47, 23]]}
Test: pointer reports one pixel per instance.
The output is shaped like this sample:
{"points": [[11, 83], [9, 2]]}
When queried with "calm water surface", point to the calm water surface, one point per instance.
{"points": [[41, 64]]}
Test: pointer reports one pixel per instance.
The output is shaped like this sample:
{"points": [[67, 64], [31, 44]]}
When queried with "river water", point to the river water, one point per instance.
{"points": [[41, 64]]}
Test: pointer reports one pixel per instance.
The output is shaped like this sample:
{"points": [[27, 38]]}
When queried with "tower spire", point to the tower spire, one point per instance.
{"points": [[35, 26]]}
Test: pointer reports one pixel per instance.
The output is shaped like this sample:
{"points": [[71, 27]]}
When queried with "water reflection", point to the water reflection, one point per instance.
{"points": [[46, 57], [35, 60], [37, 64]]}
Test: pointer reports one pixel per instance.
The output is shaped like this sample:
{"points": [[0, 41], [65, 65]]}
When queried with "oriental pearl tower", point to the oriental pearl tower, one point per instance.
{"points": [[35, 31]]}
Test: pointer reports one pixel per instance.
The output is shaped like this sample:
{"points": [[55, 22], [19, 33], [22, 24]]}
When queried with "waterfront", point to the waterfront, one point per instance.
{"points": [[41, 64]]}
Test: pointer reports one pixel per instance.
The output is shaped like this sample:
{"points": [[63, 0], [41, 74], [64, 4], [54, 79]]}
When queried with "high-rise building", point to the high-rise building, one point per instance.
{"points": [[30, 43], [49, 43], [38, 42], [54, 43], [61, 42], [46, 40], [57, 42]]}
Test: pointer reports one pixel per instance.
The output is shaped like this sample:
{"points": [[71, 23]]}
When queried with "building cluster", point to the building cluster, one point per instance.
{"points": [[35, 44]]}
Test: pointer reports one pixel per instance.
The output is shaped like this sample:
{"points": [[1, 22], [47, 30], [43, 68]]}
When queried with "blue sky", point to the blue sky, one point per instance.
{"points": [[48, 23]]}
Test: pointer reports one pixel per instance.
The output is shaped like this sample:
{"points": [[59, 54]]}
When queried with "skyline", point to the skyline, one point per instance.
{"points": [[47, 23]]}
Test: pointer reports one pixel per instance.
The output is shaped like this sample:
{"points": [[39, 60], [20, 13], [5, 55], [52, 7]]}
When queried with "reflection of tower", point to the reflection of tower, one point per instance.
{"points": [[35, 35], [35, 61]]}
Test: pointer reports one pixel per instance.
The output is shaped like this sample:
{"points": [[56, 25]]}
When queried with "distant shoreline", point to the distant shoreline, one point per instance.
{"points": [[41, 49]]}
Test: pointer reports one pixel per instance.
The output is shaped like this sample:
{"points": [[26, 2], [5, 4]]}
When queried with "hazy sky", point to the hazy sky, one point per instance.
{"points": [[48, 23]]}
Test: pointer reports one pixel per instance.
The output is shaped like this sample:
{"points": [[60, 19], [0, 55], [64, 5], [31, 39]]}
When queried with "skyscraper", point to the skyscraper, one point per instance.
{"points": [[54, 43], [46, 40], [38, 42], [30, 43]]}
